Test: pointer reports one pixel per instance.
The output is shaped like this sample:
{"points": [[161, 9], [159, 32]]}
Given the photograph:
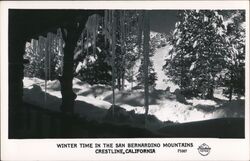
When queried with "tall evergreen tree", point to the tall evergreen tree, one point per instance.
{"points": [[93, 66], [234, 73], [45, 49], [198, 51], [152, 77]]}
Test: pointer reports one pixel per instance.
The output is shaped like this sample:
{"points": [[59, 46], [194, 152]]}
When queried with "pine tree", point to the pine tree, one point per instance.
{"points": [[36, 54], [93, 66], [234, 73], [31, 55], [198, 51], [152, 77], [177, 67], [154, 43], [128, 45]]}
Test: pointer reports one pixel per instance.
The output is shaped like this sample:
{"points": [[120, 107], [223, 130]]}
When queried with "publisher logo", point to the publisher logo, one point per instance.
{"points": [[204, 149]]}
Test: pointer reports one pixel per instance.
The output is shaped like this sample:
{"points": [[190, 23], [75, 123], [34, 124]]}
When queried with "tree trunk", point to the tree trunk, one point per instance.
{"points": [[146, 59], [68, 96], [70, 36], [230, 93]]}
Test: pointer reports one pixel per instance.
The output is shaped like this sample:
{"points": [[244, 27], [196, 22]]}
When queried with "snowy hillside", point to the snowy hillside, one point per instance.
{"points": [[159, 61]]}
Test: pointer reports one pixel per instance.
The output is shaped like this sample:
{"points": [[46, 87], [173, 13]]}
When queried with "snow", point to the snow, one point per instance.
{"points": [[153, 34], [243, 25], [192, 66], [205, 18], [220, 31], [175, 31], [93, 101], [227, 22], [218, 15], [36, 96], [99, 50], [28, 82], [92, 59], [178, 41], [178, 112], [205, 102], [195, 44], [86, 106], [166, 109], [158, 62], [177, 24], [79, 67], [214, 25]]}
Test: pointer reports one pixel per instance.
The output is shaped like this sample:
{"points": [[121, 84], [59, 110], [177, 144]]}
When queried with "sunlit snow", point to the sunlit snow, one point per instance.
{"points": [[93, 101]]}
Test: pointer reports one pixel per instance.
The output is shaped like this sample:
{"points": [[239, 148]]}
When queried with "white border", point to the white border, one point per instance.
{"points": [[45, 149]]}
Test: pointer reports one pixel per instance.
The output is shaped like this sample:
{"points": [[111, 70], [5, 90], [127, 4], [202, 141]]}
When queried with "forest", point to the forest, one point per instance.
{"points": [[113, 75]]}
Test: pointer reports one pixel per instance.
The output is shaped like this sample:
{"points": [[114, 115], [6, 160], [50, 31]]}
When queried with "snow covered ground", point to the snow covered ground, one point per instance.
{"points": [[92, 102]]}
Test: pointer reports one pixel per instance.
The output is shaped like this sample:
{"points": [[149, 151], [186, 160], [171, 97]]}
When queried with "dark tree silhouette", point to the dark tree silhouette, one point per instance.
{"points": [[71, 33]]}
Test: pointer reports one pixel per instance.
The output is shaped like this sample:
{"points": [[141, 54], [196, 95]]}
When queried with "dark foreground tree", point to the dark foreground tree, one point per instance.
{"points": [[71, 34]]}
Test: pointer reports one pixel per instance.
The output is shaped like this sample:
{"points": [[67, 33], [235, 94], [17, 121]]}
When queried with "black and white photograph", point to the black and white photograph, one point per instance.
{"points": [[127, 74]]}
